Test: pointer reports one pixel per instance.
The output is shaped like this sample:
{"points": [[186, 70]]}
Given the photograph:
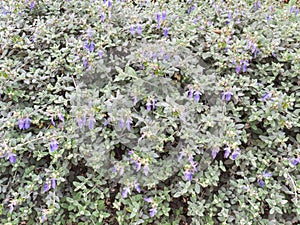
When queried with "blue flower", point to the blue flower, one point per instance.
{"points": [[103, 16], [85, 62], [148, 199], [227, 152], [128, 122], [261, 183], [121, 123], [21, 124], [164, 15], [153, 104], [296, 161], [46, 187], [106, 122], [266, 96], [146, 169], [235, 154], [81, 121], [61, 117], [139, 29], [197, 96], [90, 46], [227, 95], [137, 187], [245, 64], [166, 31], [214, 153], [153, 212], [125, 192], [12, 158], [138, 165], [27, 123], [190, 93], [132, 31], [32, 4], [148, 106], [53, 145], [158, 18], [188, 174], [91, 122], [238, 68], [100, 54], [265, 174], [53, 183], [52, 121]]}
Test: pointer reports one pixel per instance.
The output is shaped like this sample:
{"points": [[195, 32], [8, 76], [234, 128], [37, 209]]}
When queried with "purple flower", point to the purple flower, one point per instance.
{"points": [[121, 123], [137, 187], [296, 161], [4, 11], [11, 207], [138, 165], [27, 123], [128, 122], [81, 121], [53, 145], [85, 62], [245, 64], [227, 95], [214, 153], [158, 18], [292, 9], [266, 96], [32, 4], [238, 68], [106, 122], [12, 158], [46, 187], [197, 96], [235, 154], [24, 124], [132, 31], [153, 103], [190, 93], [53, 183], [148, 106], [125, 192], [90, 46], [109, 3], [166, 31], [52, 121], [164, 15], [21, 124], [297, 11], [146, 169], [261, 183], [91, 122], [44, 216], [103, 16], [153, 212], [139, 29], [100, 54], [266, 174], [61, 117], [148, 199], [188, 174], [130, 152], [227, 152]]}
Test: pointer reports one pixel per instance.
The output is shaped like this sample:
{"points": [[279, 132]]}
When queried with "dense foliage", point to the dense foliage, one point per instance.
{"points": [[149, 112]]}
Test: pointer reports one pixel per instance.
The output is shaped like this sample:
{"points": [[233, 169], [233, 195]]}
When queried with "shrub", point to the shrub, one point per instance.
{"points": [[144, 112]]}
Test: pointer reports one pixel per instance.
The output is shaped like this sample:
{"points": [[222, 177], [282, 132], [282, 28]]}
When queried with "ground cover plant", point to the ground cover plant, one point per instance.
{"points": [[149, 112]]}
